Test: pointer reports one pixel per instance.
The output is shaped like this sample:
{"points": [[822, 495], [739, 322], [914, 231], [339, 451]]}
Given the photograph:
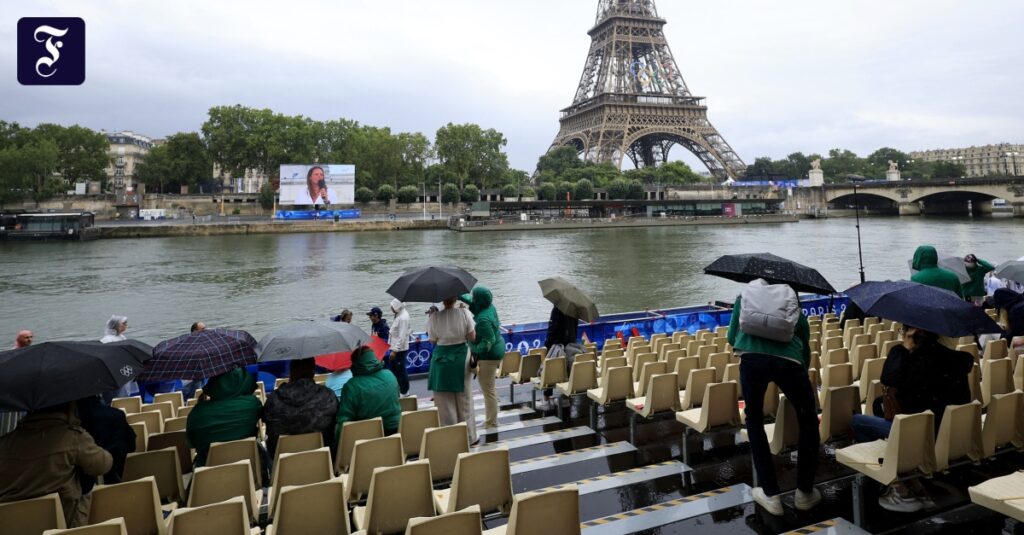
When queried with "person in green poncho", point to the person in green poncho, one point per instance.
{"points": [[926, 263], [371, 392], [488, 349], [229, 411], [977, 269], [450, 330]]}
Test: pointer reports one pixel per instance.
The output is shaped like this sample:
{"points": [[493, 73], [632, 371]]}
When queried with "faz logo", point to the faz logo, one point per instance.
{"points": [[51, 51]]}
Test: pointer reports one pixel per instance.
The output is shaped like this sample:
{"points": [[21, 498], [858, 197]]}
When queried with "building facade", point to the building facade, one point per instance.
{"points": [[127, 150], [251, 182], [1004, 159]]}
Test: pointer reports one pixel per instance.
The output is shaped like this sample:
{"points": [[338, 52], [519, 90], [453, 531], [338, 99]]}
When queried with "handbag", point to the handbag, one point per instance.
{"points": [[890, 405]]}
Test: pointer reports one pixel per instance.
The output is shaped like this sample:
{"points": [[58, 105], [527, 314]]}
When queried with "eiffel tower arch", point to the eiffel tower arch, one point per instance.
{"points": [[632, 100]]}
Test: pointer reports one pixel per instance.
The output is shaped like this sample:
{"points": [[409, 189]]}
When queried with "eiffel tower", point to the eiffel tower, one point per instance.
{"points": [[632, 99]]}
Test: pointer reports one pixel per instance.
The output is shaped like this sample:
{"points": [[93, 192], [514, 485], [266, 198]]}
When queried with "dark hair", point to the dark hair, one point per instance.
{"points": [[301, 369], [194, 328], [309, 174]]}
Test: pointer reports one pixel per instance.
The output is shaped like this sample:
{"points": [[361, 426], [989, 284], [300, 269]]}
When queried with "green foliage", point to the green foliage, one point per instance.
{"points": [[470, 193], [386, 192], [81, 152], [583, 190], [515, 177], [618, 189], [470, 151], [509, 192], [266, 197], [559, 161], [27, 168], [561, 189], [450, 193], [408, 194], [546, 191], [529, 193], [182, 161], [364, 194], [636, 190]]}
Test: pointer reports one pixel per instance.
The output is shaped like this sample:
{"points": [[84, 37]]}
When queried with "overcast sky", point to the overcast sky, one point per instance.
{"points": [[780, 77]]}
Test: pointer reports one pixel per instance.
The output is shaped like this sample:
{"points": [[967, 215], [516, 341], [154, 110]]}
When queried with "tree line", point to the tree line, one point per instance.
{"points": [[840, 165], [38, 163]]}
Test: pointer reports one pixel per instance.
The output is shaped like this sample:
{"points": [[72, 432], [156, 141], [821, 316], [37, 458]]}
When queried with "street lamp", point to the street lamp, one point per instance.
{"points": [[856, 211]]}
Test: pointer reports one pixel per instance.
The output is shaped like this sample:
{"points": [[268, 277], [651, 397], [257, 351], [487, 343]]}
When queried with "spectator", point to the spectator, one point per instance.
{"points": [[926, 263], [561, 341], [400, 345], [45, 454], [450, 330], [23, 339], [344, 317], [977, 269], [228, 411], [371, 392], [300, 406], [379, 325], [109, 428], [1011, 305], [114, 332], [197, 327], [487, 350], [9, 419]]}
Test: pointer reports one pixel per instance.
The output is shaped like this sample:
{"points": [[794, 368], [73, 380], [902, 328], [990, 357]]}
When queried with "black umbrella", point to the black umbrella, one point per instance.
{"points": [[432, 284], [50, 373], [774, 269], [925, 307]]}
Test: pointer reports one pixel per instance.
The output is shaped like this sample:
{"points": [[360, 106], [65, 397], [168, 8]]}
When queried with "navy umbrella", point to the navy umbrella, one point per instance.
{"points": [[51, 373], [432, 284], [772, 268], [200, 355], [925, 307]]}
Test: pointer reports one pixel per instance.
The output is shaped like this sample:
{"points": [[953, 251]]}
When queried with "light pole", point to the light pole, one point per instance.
{"points": [[423, 185], [856, 211]]}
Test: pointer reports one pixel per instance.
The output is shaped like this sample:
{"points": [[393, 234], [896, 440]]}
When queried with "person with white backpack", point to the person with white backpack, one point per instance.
{"points": [[771, 335]]}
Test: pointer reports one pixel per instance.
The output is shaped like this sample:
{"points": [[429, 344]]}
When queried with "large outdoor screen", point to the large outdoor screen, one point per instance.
{"points": [[317, 184]]}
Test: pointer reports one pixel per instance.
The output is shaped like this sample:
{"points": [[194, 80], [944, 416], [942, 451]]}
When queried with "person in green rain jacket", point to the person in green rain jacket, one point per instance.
{"points": [[229, 411], [488, 349], [371, 392], [926, 262], [977, 269]]}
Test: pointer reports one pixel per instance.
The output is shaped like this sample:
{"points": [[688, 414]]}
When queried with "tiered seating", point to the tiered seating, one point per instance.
{"points": [[223, 518], [109, 527], [311, 508], [32, 516]]}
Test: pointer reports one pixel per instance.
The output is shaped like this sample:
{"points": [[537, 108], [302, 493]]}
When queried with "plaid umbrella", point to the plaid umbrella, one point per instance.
{"points": [[200, 355], [925, 307], [774, 269]]}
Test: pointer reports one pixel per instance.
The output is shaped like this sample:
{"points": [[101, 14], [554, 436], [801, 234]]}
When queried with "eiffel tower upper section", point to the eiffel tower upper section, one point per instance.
{"points": [[633, 101]]}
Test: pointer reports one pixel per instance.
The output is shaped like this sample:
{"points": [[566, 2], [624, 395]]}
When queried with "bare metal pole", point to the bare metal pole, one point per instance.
{"points": [[856, 211]]}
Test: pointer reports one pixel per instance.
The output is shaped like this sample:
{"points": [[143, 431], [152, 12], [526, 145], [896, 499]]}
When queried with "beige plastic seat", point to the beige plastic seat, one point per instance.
{"points": [[974, 381], [693, 394], [297, 444], [464, 522], [135, 501], [849, 333], [411, 426], [610, 354], [835, 375], [719, 407], [836, 356], [874, 391], [910, 447], [996, 349], [881, 338], [859, 355], [616, 386], [166, 409], [213, 484], [553, 511], [177, 440], [873, 330], [396, 494], [871, 371], [669, 347], [959, 435], [814, 376], [280, 382], [141, 435], [408, 403], [582, 377], [653, 341], [887, 347], [1004, 495], [639, 361], [996, 378], [509, 363], [718, 361], [650, 369], [785, 432], [971, 349], [529, 367], [163, 467], [704, 354], [830, 343], [482, 478], [721, 345], [225, 518], [732, 373], [1001, 423], [175, 424], [1018, 374], [870, 320], [130, 405], [110, 527], [837, 410], [350, 433], [586, 357], [542, 351], [366, 456], [613, 362], [153, 419], [441, 447], [683, 368], [662, 396], [32, 516], [174, 398], [301, 468], [311, 509], [671, 357], [552, 373], [682, 338], [693, 347], [237, 450]]}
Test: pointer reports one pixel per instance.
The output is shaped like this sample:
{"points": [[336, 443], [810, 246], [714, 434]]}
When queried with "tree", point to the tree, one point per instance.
{"points": [[546, 191], [840, 164], [469, 151], [408, 194], [584, 190], [559, 161], [509, 191], [529, 193], [878, 161], [28, 171], [81, 152], [561, 189], [386, 192], [267, 196], [762, 167], [636, 190], [676, 173], [470, 193], [364, 195], [181, 161], [450, 193], [618, 189]]}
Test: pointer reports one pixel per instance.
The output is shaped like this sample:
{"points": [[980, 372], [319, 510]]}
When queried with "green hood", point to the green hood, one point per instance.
{"points": [[233, 384], [925, 257], [481, 299], [365, 362]]}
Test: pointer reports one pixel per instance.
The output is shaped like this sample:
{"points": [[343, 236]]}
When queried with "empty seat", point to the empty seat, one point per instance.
{"points": [[464, 522], [650, 369], [785, 432], [141, 435], [366, 456], [509, 363], [667, 348], [860, 354], [153, 419], [110, 527], [996, 349], [552, 373], [529, 367], [693, 395], [959, 435], [719, 408], [996, 378], [616, 385], [1002, 495], [130, 405], [881, 340], [411, 426], [614, 362], [163, 467], [836, 356], [350, 433], [1001, 423], [137, 502], [1018, 374], [297, 443], [871, 371], [849, 333], [662, 396], [174, 398], [704, 354], [408, 403], [732, 373], [837, 410], [718, 361], [683, 368], [301, 468], [212, 484], [224, 518], [175, 424], [835, 375], [177, 440], [396, 495], [234, 451], [441, 448], [639, 361], [828, 344], [482, 478], [553, 511], [970, 348], [582, 377], [309, 509], [32, 516], [166, 409]]}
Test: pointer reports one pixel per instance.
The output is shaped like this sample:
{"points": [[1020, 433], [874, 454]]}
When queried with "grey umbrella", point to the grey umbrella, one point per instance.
{"points": [[569, 299], [949, 263], [305, 340], [1012, 270]]}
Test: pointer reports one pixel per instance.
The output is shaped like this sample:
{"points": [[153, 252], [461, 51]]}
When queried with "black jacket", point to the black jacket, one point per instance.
{"points": [[298, 407], [561, 329], [110, 430], [929, 378]]}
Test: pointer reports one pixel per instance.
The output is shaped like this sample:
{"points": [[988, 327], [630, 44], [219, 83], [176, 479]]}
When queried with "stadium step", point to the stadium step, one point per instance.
{"points": [[651, 517], [574, 456], [624, 478], [539, 438], [836, 526], [522, 424]]}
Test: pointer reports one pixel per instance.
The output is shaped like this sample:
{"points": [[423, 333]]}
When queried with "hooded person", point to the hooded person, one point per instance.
{"points": [[300, 406], [926, 263], [228, 411], [114, 332], [372, 392], [488, 349], [977, 269], [400, 331], [1012, 303]]}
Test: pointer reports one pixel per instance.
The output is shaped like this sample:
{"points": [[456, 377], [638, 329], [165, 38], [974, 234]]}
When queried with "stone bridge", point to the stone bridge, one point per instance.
{"points": [[913, 197]]}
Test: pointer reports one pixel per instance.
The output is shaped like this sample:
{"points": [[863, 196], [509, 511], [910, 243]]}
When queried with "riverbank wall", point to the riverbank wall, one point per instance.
{"points": [[495, 226], [263, 227]]}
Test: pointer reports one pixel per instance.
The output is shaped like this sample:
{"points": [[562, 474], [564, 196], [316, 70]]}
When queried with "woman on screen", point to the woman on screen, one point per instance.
{"points": [[316, 192]]}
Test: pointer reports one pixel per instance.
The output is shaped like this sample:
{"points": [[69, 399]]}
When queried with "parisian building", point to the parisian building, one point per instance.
{"points": [[1004, 159]]}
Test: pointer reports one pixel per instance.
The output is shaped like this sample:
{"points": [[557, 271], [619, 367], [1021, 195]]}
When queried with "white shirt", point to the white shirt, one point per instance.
{"points": [[302, 198], [450, 326], [400, 331]]}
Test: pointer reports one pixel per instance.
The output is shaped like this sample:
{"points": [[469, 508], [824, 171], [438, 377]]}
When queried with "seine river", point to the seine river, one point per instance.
{"points": [[68, 290]]}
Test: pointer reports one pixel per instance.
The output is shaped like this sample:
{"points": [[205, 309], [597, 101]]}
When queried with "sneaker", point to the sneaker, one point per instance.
{"points": [[892, 501], [772, 504], [805, 501]]}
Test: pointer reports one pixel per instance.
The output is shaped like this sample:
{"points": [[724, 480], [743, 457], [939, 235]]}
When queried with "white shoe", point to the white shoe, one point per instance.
{"points": [[892, 501], [805, 501], [772, 504]]}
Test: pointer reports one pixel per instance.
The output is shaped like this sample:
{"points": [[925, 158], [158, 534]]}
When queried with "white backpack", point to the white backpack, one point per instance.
{"points": [[769, 311]]}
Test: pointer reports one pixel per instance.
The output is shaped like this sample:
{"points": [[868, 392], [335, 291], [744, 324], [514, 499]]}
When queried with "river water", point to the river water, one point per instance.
{"points": [[68, 290]]}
